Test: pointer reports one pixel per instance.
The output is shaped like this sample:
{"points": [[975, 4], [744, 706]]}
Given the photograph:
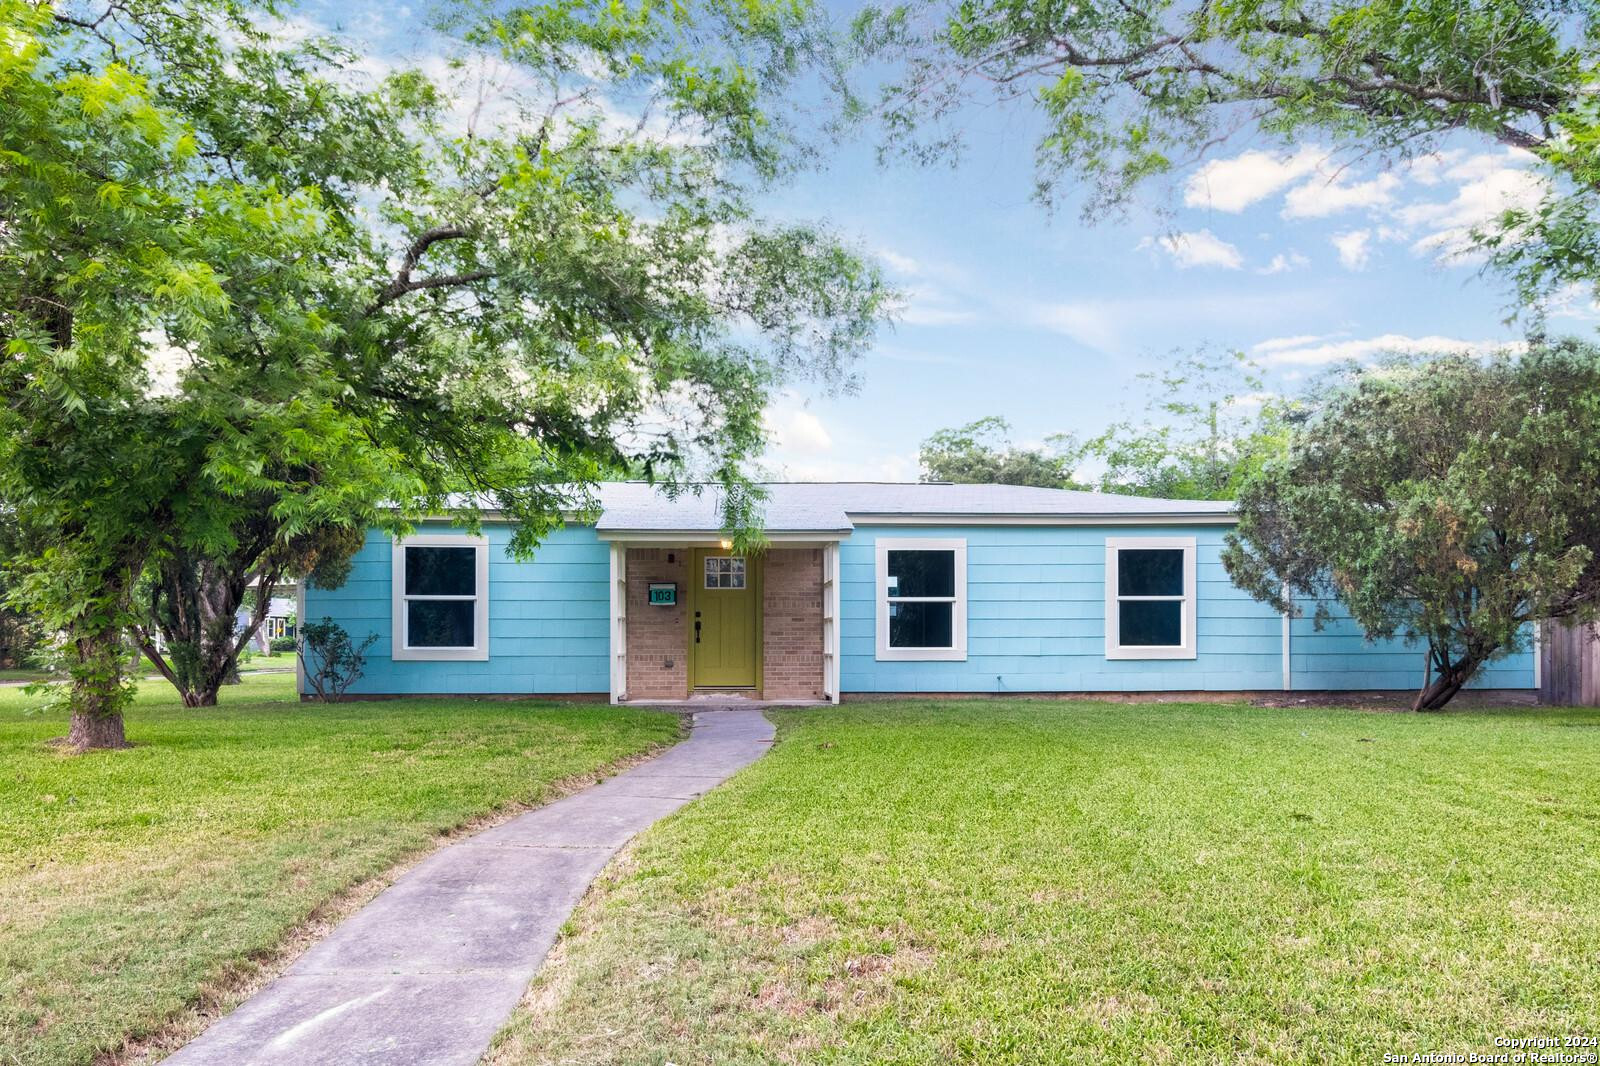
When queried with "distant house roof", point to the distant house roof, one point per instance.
{"points": [[833, 507]]}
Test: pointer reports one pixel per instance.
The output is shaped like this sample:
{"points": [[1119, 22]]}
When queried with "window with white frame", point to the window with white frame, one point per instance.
{"points": [[724, 572], [922, 599], [1150, 598], [441, 597]]}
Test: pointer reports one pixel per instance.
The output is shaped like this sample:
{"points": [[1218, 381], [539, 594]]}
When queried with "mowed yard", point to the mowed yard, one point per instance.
{"points": [[134, 882], [1028, 882]]}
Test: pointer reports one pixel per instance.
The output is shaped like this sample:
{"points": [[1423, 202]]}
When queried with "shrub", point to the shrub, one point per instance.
{"points": [[332, 662]]}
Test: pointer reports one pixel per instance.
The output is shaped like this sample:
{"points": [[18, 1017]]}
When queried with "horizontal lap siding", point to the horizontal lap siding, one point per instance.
{"points": [[1036, 623], [1340, 656], [548, 620], [1036, 618]]}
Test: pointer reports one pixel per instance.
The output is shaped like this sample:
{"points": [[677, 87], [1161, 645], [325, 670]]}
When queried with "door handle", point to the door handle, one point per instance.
{"points": [[697, 631]]}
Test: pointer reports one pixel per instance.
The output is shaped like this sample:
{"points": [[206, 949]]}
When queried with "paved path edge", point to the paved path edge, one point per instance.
{"points": [[434, 965]]}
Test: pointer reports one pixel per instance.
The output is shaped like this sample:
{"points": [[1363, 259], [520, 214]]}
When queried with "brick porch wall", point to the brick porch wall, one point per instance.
{"points": [[658, 667], [792, 623]]}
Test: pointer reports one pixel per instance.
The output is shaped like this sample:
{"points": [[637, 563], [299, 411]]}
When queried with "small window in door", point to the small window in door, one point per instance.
{"points": [[724, 572]]}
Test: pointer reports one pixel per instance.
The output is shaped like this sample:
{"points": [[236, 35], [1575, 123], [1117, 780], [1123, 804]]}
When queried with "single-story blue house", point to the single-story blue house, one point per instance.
{"points": [[863, 588]]}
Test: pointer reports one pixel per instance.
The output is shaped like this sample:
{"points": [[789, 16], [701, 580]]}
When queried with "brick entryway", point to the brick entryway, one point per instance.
{"points": [[791, 624]]}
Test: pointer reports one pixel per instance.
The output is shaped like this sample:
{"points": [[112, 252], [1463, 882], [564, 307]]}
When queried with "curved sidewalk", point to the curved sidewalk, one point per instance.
{"points": [[430, 969]]}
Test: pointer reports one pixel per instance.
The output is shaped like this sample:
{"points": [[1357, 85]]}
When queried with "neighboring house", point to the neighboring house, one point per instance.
{"points": [[279, 620], [863, 588]]}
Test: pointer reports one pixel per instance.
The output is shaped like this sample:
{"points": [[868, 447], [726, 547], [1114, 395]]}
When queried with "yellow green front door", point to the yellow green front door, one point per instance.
{"points": [[724, 624]]}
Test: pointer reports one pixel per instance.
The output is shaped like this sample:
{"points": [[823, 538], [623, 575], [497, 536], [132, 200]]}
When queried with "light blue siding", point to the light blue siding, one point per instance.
{"points": [[1036, 623], [548, 619], [1339, 656]]}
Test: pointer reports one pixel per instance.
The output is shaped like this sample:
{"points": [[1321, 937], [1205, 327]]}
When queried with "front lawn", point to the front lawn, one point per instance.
{"points": [[132, 880], [1033, 882]]}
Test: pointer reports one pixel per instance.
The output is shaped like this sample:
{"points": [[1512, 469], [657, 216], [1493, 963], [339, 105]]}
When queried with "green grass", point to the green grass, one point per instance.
{"points": [[1093, 883], [22, 673], [272, 660], [132, 880]]}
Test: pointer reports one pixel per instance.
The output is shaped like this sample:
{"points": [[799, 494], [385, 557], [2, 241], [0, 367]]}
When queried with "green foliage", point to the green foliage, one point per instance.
{"points": [[1450, 501], [139, 885], [1032, 882], [1127, 92], [282, 644], [241, 290], [1205, 426], [333, 662], [981, 452]]}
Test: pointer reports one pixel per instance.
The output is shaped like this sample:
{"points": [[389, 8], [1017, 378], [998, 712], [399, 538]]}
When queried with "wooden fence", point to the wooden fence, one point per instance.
{"points": [[1569, 665]]}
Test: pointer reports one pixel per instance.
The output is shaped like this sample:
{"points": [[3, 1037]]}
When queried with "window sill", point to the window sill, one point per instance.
{"points": [[440, 655], [922, 655], [1151, 653]]}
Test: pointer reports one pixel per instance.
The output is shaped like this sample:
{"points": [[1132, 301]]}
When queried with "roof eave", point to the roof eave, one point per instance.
{"points": [[1121, 518]]}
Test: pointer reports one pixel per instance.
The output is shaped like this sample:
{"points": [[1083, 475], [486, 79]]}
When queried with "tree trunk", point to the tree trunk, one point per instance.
{"points": [[97, 693], [92, 730], [1448, 681]]}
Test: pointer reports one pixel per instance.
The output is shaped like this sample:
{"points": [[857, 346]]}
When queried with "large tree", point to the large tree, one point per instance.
{"points": [[981, 452], [248, 300], [1127, 92], [1204, 425], [1450, 502]]}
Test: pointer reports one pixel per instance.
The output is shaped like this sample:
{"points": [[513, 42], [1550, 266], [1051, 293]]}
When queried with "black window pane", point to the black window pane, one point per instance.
{"points": [[1150, 572], [922, 573], [439, 623], [1151, 624], [441, 571], [921, 625]]}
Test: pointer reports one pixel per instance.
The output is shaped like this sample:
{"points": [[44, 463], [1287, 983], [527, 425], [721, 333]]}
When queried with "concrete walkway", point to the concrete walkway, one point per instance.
{"points": [[430, 970]]}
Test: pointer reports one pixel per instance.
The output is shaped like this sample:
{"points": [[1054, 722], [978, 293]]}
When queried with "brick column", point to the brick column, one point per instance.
{"points": [[791, 606], [658, 637]]}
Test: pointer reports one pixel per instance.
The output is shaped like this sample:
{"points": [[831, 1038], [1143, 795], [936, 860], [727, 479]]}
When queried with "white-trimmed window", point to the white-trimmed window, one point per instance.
{"points": [[441, 597], [922, 599], [1150, 598], [724, 572]]}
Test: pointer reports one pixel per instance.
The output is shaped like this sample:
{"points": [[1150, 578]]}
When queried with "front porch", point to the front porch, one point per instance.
{"points": [[762, 628]]}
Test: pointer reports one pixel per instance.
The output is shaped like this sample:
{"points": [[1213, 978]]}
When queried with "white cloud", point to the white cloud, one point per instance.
{"points": [[1234, 184], [1575, 301], [900, 264], [1276, 344], [883, 466], [1197, 248], [1251, 401], [927, 314], [794, 430], [1282, 264], [1352, 248], [1491, 183], [1091, 325], [1318, 198], [939, 297], [917, 356], [1430, 169], [164, 364], [1313, 350], [1480, 187]]}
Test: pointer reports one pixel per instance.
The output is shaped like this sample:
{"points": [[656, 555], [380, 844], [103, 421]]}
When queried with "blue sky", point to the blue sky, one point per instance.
{"points": [[1295, 256]]}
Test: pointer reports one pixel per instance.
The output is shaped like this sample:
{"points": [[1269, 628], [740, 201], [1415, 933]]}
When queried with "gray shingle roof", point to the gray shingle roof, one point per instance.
{"points": [[793, 507]]}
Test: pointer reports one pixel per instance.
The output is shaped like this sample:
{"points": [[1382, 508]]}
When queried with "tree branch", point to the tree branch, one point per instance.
{"points": [[404, 283]]}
